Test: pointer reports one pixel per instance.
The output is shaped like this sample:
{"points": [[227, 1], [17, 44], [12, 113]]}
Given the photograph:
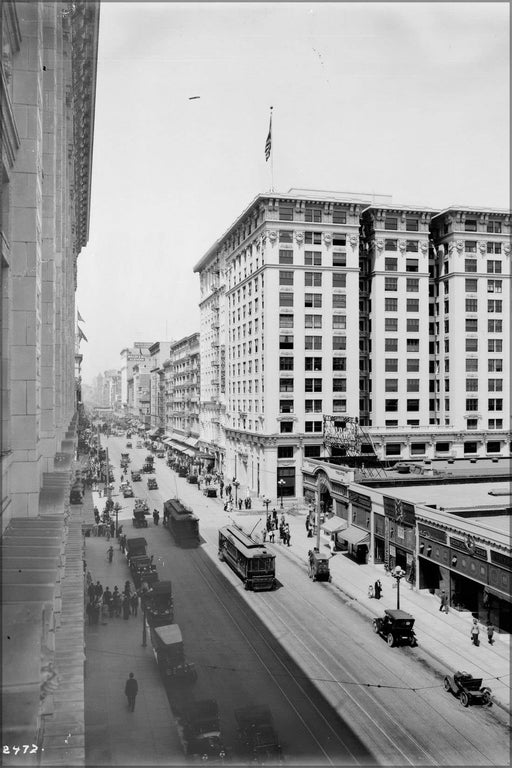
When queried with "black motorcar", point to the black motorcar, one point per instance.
{"points": [[136, 476], [396, 627], [152, 484], [210, 491]]}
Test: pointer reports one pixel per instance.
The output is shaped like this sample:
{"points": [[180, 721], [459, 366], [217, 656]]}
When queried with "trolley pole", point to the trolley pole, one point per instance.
{"points": [[318, 522]]}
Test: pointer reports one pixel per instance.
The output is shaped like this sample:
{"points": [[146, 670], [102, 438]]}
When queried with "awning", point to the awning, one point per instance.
{"points": [[354, 535], [189, 452], [497, 593], [334, 524], [167, 441]]}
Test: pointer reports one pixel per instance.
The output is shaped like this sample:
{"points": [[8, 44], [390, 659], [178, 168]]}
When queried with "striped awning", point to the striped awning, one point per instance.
{"points": [[354, 535]]}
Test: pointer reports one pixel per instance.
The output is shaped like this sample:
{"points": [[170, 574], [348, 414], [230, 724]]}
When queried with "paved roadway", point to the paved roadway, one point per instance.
{"points": [[338, 694]]}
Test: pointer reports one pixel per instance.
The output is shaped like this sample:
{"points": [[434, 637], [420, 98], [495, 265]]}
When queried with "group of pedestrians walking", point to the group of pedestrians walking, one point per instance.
{"points": [[104, 603]]}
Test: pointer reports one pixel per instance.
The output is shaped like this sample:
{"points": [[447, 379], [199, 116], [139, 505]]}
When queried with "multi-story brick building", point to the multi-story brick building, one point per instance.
{"points": [[318, 304], [182, 386]]}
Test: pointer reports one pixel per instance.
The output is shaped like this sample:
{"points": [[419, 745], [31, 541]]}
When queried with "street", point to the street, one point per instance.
{"points": [[338, 693]]}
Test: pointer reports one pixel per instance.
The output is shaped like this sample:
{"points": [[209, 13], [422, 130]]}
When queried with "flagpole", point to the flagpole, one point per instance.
{"points": [[271, 156]]}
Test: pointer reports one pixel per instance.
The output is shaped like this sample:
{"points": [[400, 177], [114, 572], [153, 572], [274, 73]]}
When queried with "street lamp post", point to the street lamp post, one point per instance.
{"points": [[117, 509], [398, 574], [266, 503], [281, 484], [236, 484]]}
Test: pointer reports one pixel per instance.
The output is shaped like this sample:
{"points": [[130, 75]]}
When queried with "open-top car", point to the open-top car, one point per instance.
{"points": [[160, 454], [397, 627], [136, 476], [468, 689], [142, 505], [152, 484]]}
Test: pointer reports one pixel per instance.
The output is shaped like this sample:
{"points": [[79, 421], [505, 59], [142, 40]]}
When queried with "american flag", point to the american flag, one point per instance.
{"points": [[268, 143]]}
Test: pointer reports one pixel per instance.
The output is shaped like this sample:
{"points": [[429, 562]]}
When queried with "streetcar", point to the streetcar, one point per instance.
{"points": [[251, 560], [181, 522]]}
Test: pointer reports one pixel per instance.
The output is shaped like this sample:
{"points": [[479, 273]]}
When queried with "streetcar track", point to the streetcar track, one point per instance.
{"points": [[273, 677], [362, 686]]}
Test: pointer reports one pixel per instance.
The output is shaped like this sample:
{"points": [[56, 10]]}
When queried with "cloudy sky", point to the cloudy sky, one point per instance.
{"points": [[409, 99]]}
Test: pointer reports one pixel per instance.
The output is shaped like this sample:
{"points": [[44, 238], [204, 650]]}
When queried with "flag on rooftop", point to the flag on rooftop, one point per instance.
{"points": [[81, 335], [268, 143], [80, 318]]}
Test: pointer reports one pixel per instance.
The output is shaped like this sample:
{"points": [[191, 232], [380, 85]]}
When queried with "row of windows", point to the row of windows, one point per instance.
{"points": [[411, 223], [391, 265], [391, 364], [312, 213], [313, 321], [493, 286], [391, 385], [471, 225], [410, 245], [312, 363], [312, 406], [493, 345], [313, 342], [493, 326], [312, 385], [493, 385], [339, 279], [493, 404], [412, 324], [494, 365], [313, 258], [392, 405], [492, 267], [470, 247], [391, 305], [412, 284], [313, 300]]}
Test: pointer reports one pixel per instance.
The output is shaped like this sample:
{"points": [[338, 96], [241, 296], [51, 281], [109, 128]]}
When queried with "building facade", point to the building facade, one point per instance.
{"points": [[47, 101], [316, 304]]}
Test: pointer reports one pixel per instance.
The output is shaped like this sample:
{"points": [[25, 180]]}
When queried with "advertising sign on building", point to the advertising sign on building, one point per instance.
{"points": [[222, 368], [136, 358]]}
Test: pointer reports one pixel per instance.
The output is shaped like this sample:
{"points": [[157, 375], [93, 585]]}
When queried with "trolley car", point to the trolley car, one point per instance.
{"points": [[181, 522], [255, 565]]}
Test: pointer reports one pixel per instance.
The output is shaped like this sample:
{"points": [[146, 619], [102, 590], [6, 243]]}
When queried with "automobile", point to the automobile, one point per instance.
{"points": [[136, 476], [182, 472], [468, 689], [160, 455], [139, 444], [76, 495], [257, 734], [129, 444], [199, 731], [148, 467], [139, 519], [192, 479], [210, 491], [396, 627], [127, 491], [152, 484], [142, 505]]}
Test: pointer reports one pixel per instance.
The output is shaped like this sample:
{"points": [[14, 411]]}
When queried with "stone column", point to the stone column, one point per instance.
{"points": [[26, 264]]}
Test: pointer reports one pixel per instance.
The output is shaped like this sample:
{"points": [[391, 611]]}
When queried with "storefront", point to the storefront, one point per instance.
{"points": [[400, 535], [356, 537]]}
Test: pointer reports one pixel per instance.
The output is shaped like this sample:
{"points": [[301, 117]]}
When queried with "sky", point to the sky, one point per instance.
{"points": [[407, 99]]}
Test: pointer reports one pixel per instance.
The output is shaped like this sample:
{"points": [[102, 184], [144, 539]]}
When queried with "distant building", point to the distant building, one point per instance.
{"points": [[181, 374]]}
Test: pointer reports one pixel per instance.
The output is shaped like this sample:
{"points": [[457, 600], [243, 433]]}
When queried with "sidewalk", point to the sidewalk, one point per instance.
{"points": [[444, 638], [113, 734]]}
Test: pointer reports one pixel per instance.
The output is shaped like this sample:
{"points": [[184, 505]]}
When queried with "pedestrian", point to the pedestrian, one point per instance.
{"points": [[281, 533], [274, 516], [96, 609], [88, 578], [127, 588], [268, 524], [156, 516], [134, 603], [226, 506], [131, 689], [271, 536], [264, 534], [91, 591], [475, 633], [112, 528], [126, 607], [444, 602], [98, 589], [116, 600], [377, 589], [490, 633], [122, 478], [240, 502], [90, 610], [282, 518]]}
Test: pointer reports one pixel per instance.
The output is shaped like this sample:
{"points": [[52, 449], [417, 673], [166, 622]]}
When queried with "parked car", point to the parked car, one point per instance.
{"points": [[468, 689], [396, 627], [127, 491], [136, 476], [210, 491], [129, 444], [160, 454], [192, 479], [152, 484]]}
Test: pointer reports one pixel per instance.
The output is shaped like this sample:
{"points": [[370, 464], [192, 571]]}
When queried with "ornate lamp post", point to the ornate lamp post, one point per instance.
{"points": [[236, 485], [281, 485], [398, 574]]}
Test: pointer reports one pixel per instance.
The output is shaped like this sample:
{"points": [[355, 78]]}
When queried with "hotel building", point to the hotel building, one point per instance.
{"points": [[347, 305]]}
